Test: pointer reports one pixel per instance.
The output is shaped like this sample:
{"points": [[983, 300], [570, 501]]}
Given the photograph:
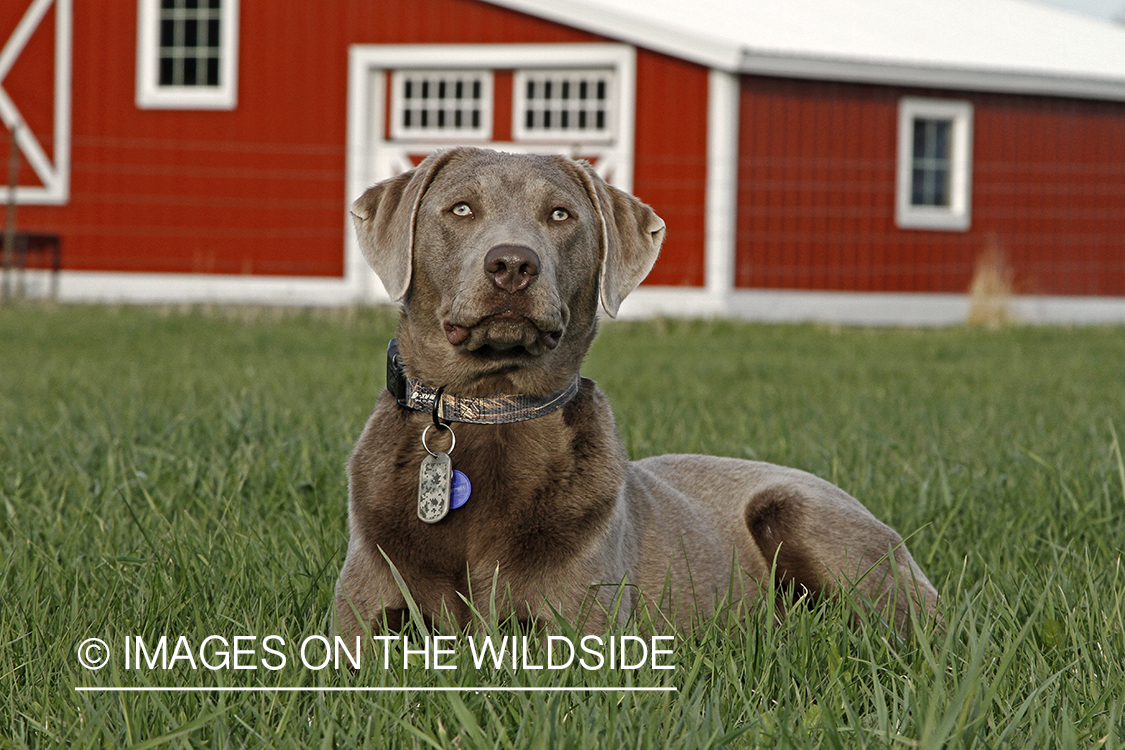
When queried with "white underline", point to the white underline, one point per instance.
{"points": [[376, 689]]}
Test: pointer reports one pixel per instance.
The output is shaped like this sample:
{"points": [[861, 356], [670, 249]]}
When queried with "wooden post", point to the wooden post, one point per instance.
{"points": [[10, 214]]}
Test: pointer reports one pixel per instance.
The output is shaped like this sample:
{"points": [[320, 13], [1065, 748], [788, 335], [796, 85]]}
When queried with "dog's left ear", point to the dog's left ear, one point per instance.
{"points": [[631, 238], [384, 222]]}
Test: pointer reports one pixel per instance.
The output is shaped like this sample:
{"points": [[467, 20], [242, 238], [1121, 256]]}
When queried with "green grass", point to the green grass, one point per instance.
{"points": [[170, 472]]}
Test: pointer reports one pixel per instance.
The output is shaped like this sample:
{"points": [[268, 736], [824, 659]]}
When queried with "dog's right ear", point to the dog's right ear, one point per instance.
{"points": [[384, 219]]}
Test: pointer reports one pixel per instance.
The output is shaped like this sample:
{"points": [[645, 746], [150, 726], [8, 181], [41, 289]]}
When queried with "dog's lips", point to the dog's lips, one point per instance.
{"points": [[455, 333], [503, 331]]}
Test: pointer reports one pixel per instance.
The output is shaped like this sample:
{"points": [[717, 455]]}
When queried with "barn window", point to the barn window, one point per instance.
{"points": [[190, 34], [934, 164], [186, 54], [569, 105], [930, 162], [441, 104]]}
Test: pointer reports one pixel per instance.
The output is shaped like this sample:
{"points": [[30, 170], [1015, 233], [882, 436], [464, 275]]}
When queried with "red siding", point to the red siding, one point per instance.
{"points": [[671, 161], [817, 186], [260, 189]]}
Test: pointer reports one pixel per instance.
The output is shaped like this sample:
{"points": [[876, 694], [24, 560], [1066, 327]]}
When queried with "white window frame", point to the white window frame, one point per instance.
{"points": [[151, 95], [374, 155], [521, 132], [957, 216], [482, 133]]}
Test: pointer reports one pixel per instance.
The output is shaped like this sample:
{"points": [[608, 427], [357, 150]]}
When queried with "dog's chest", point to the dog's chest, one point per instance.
{"points": [[540, 494]]}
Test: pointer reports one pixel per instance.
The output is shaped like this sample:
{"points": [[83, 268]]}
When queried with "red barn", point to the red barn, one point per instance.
{"points": [[837, 159]]}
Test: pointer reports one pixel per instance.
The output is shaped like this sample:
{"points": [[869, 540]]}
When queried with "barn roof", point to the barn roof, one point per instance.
{"points": [[989, 45]]}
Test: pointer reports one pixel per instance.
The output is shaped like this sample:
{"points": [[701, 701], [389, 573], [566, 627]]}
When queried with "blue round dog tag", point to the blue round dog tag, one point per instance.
{"points": [[461, 490]]}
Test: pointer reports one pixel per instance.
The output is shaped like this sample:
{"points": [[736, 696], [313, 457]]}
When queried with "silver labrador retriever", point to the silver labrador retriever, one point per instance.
{"points": [[500, 261]]}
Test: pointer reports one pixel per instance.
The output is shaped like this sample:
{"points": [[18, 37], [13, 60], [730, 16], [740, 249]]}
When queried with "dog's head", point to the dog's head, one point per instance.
{"points": [[500, 260]]}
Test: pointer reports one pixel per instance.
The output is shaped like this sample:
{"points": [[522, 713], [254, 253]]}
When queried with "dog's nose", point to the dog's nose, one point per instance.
{"points": [[512, 267]]}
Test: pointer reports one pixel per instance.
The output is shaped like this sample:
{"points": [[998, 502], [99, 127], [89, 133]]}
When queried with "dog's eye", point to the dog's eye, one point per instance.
{"points": [[560, 214], [461, 209]]}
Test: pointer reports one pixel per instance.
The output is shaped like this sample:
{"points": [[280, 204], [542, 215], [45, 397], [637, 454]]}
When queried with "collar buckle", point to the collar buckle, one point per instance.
{"points": [[396, 375]]}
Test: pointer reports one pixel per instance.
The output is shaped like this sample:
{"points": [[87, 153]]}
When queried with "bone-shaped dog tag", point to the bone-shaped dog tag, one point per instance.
{"points": [[435, 479]]}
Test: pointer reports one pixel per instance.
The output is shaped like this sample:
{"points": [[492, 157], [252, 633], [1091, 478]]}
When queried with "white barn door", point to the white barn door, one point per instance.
{"points": [[52, 170]]}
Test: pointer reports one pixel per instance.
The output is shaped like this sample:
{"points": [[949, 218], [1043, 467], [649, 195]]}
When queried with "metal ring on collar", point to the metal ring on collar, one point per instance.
{"points": [[452, 435]]}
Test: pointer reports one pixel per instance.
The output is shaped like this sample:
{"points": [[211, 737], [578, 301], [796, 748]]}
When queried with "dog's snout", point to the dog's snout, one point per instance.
{"points": [[512, 267]]}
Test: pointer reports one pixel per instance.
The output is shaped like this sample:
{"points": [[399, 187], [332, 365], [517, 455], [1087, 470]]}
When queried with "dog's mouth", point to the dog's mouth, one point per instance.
{"points": [[505, 332]]}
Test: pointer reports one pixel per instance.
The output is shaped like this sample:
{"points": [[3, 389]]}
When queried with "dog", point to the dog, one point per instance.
{"points": [[500, 262]]}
